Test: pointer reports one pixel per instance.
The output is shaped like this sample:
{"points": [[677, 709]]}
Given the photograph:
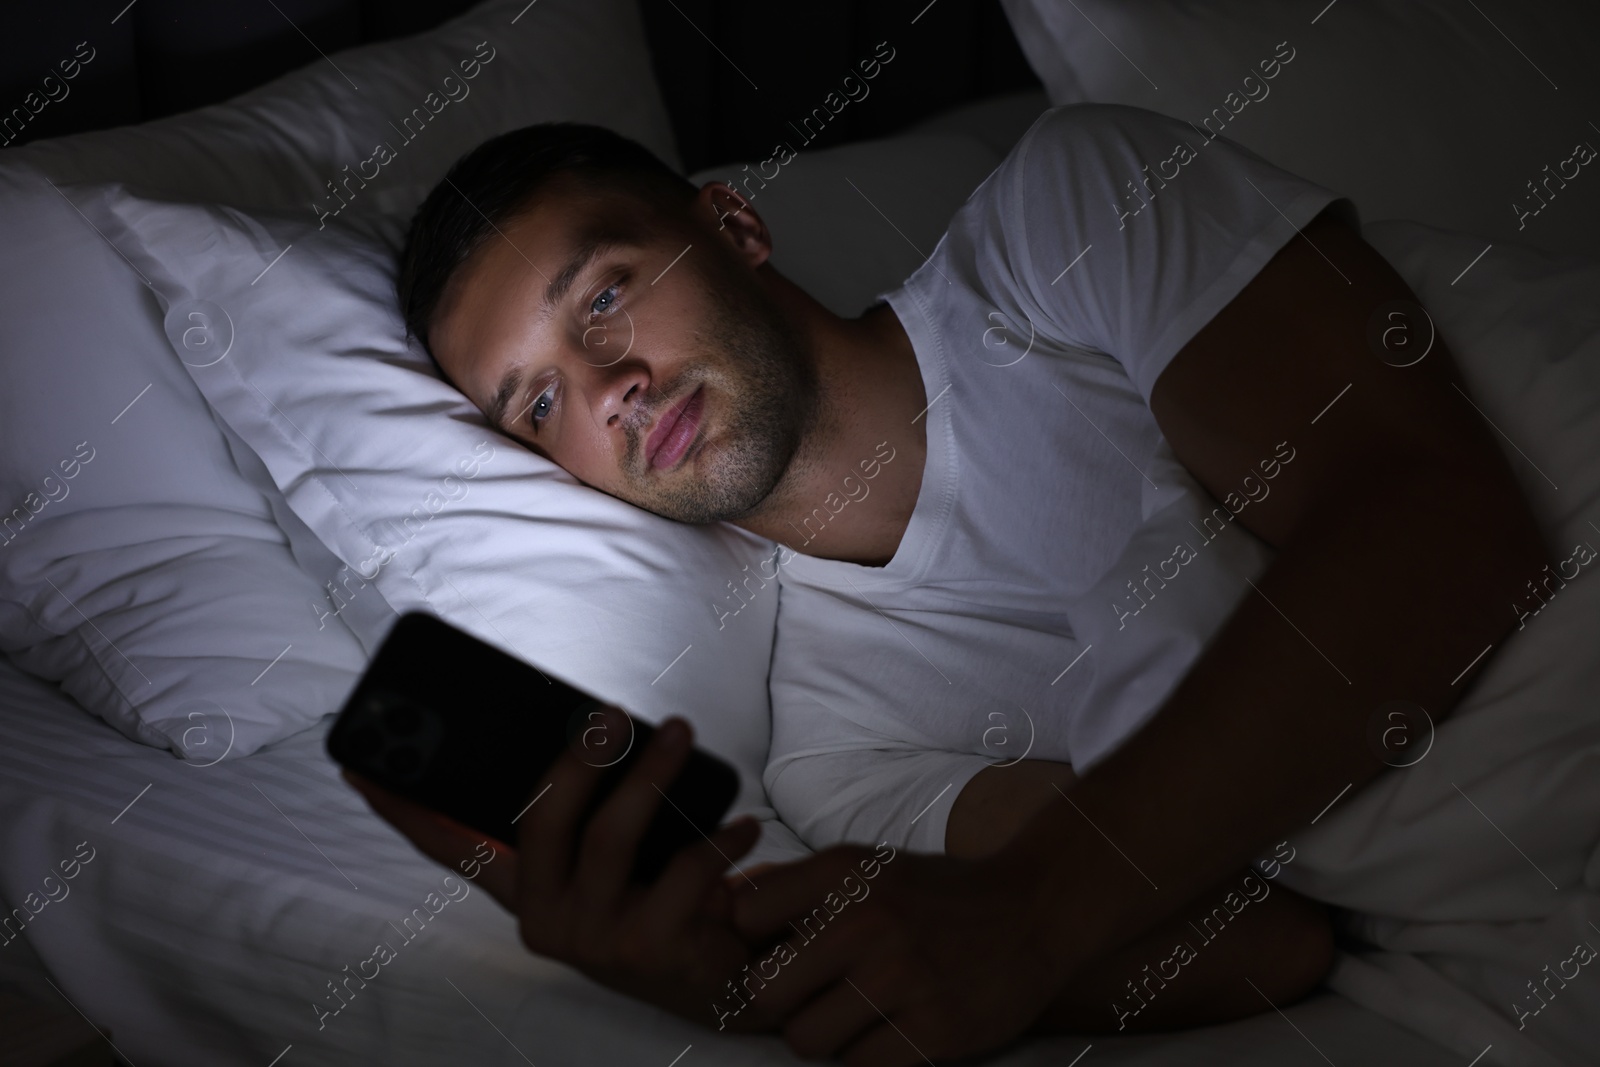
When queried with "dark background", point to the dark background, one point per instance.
{"points": [[165, 56]]}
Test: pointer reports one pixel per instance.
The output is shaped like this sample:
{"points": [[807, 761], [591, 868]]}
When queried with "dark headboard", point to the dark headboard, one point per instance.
{"points": [[798, 51], [734, 74]]}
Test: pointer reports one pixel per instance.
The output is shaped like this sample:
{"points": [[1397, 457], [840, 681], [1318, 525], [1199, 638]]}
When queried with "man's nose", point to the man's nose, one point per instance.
{"points": [[618, 390]]}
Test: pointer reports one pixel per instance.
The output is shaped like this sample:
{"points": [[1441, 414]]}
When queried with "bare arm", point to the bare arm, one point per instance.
{"points": [[998, 801], [1282, 942], [1403, 538]]}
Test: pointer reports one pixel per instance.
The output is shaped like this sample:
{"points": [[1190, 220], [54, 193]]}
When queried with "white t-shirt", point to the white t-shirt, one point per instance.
{"points": [[1061, 570]]}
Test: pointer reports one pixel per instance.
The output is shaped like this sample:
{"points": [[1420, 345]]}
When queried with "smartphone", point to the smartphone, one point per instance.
{"points": [[454, 724]]}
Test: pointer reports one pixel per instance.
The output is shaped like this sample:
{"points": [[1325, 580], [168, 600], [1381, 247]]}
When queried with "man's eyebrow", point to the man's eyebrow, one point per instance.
{"points": [[502, 398], [591, 247]]}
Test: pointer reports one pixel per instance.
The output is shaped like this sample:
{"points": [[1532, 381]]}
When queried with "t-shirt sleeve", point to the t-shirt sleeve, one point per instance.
{"points": [[1129, 230], [867, 795], [851, 759]]}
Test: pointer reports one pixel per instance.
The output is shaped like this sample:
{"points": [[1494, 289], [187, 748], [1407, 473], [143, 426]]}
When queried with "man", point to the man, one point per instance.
{"points": [[1206, 318]]}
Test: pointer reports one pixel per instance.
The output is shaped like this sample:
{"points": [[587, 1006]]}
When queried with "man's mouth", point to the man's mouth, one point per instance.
{"points": [[675, 431]]}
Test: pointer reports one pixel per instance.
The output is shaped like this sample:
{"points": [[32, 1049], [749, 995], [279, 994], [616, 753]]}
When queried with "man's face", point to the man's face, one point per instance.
{"points": [[661, 376]]}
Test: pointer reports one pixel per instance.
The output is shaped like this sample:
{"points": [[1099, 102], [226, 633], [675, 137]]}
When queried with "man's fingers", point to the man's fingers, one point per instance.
{"points": [[834, 1019], [823, 948], [611, 839], [675, 897], [812, 955], [885, 1045], [750, 876], [549, 827], [441, 838], [784, 891]]}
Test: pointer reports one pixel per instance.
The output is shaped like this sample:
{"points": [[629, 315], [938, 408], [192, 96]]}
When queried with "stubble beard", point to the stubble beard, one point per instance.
{"points": [[768, 393]]}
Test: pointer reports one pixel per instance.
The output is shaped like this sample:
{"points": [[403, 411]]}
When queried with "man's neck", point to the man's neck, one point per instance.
{"points": [[853, 483]]}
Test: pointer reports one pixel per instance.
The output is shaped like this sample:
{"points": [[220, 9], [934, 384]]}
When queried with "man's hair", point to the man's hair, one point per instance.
{"points": [[499, 180]]}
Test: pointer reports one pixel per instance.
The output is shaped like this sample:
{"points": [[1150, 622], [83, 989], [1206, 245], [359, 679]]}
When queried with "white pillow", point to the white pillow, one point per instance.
{"points": [[157, 586], [398, 474], [137, 568], [502, 65], [1424, 110]]}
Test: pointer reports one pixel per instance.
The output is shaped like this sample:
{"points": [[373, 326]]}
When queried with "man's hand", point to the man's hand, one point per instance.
{"points": [[934, 956], [672, 943]]}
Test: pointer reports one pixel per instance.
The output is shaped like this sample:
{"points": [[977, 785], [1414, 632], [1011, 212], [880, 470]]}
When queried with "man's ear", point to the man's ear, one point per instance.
{"points": [[736, 221]]}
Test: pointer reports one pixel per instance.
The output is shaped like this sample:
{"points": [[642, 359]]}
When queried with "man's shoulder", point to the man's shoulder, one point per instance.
{"points": [[1073, 158], [1069, 163], [1089, 135]]}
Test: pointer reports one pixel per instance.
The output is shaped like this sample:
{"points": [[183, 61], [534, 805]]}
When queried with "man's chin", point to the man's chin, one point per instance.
{"points": [[701, 501]]}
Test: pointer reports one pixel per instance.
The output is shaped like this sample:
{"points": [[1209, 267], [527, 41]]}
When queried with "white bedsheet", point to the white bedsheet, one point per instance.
{"points": [[218, 906]]}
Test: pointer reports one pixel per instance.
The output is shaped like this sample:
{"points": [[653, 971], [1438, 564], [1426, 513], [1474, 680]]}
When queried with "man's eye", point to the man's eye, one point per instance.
{"points": [[603, 300], [541, 406]]}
